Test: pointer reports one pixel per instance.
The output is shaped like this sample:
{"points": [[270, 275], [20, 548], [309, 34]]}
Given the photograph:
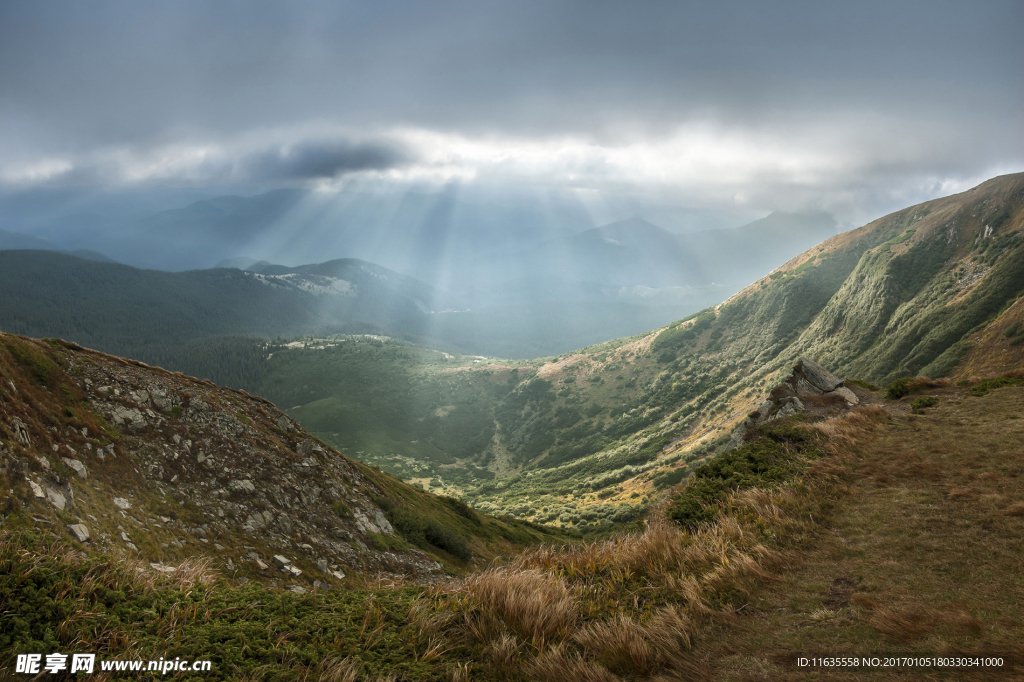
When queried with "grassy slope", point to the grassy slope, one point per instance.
{"points": [[813, 564], [42, 387], [921, 556]]}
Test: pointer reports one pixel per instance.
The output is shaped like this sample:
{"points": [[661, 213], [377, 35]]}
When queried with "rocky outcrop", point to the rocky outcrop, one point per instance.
{"points": [[170, 467], [807, 380]]}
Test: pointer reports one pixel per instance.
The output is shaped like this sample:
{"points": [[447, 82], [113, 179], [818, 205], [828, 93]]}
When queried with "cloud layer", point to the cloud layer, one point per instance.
{"points": [[775, 105]]}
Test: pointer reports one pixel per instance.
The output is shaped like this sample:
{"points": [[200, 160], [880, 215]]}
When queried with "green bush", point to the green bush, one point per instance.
{"points": [[999, 382], [920, 403], [898, 388], [671, 478], [419, 531], [461, 508]]}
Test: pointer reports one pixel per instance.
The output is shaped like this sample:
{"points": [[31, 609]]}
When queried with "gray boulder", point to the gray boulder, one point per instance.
{"points": [[822, 380], [79, 532]]}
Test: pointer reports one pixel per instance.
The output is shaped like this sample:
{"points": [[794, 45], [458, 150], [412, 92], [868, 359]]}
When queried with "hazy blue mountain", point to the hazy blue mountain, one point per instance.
{"points": [[15, 241]]}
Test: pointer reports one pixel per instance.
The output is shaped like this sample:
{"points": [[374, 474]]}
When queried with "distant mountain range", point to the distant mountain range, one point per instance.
{"points": [[508, 279], [15, 241]]}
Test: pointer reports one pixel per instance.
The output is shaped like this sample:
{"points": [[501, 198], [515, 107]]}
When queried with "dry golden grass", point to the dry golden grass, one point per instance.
{"points": [[920, 552], [634, 606]]}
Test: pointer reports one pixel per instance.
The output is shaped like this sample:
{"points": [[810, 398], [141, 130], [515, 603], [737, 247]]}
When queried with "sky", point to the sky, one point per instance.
{"points": [[856, 108]]}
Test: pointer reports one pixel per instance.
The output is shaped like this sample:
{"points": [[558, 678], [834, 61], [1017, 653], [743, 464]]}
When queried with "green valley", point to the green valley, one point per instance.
{"points": [[590, 438]]}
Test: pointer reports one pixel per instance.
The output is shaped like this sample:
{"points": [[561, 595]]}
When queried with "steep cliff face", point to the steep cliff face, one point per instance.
{"points": [[131, 459]]}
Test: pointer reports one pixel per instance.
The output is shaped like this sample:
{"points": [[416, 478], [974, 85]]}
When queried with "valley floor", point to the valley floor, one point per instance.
{"points": [[922, 556]]}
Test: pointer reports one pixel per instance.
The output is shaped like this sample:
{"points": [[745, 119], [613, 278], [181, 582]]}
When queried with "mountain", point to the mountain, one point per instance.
{"points": [[636, 252], [14, 241], [160, 316], [934, 289]]}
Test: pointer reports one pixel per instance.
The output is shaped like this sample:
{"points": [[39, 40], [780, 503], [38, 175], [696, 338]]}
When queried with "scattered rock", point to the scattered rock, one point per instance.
{"points": [[849, 395], [77, 466], [79, 532], [21, 432], [56, 499], [808, 378], [285, 425], [242, 486], [37, 490]]}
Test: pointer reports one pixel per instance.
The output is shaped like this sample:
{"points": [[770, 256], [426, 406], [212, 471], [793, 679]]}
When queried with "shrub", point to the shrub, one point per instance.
{"points": [[987, 385], [898, 388], [920, 403], [444, 537], [461, 508]]}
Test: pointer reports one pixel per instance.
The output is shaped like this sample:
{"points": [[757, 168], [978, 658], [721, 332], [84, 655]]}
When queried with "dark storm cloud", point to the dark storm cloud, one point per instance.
{"points": [[113, 71], [322, 160], [887, 88]]}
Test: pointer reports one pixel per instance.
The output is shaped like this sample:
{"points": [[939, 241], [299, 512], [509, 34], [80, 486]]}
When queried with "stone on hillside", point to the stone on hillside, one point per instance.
{"points": [[254, 522], [281, 561], [77, 466], [285, 424], [789, 409], [847, 394], [160, 400], [372, 520], [79, 531], [56, 499], [21, 432], [308, 447], [37, 490], [819, 377], [242, 486], [122, 503], [804, 387]]}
